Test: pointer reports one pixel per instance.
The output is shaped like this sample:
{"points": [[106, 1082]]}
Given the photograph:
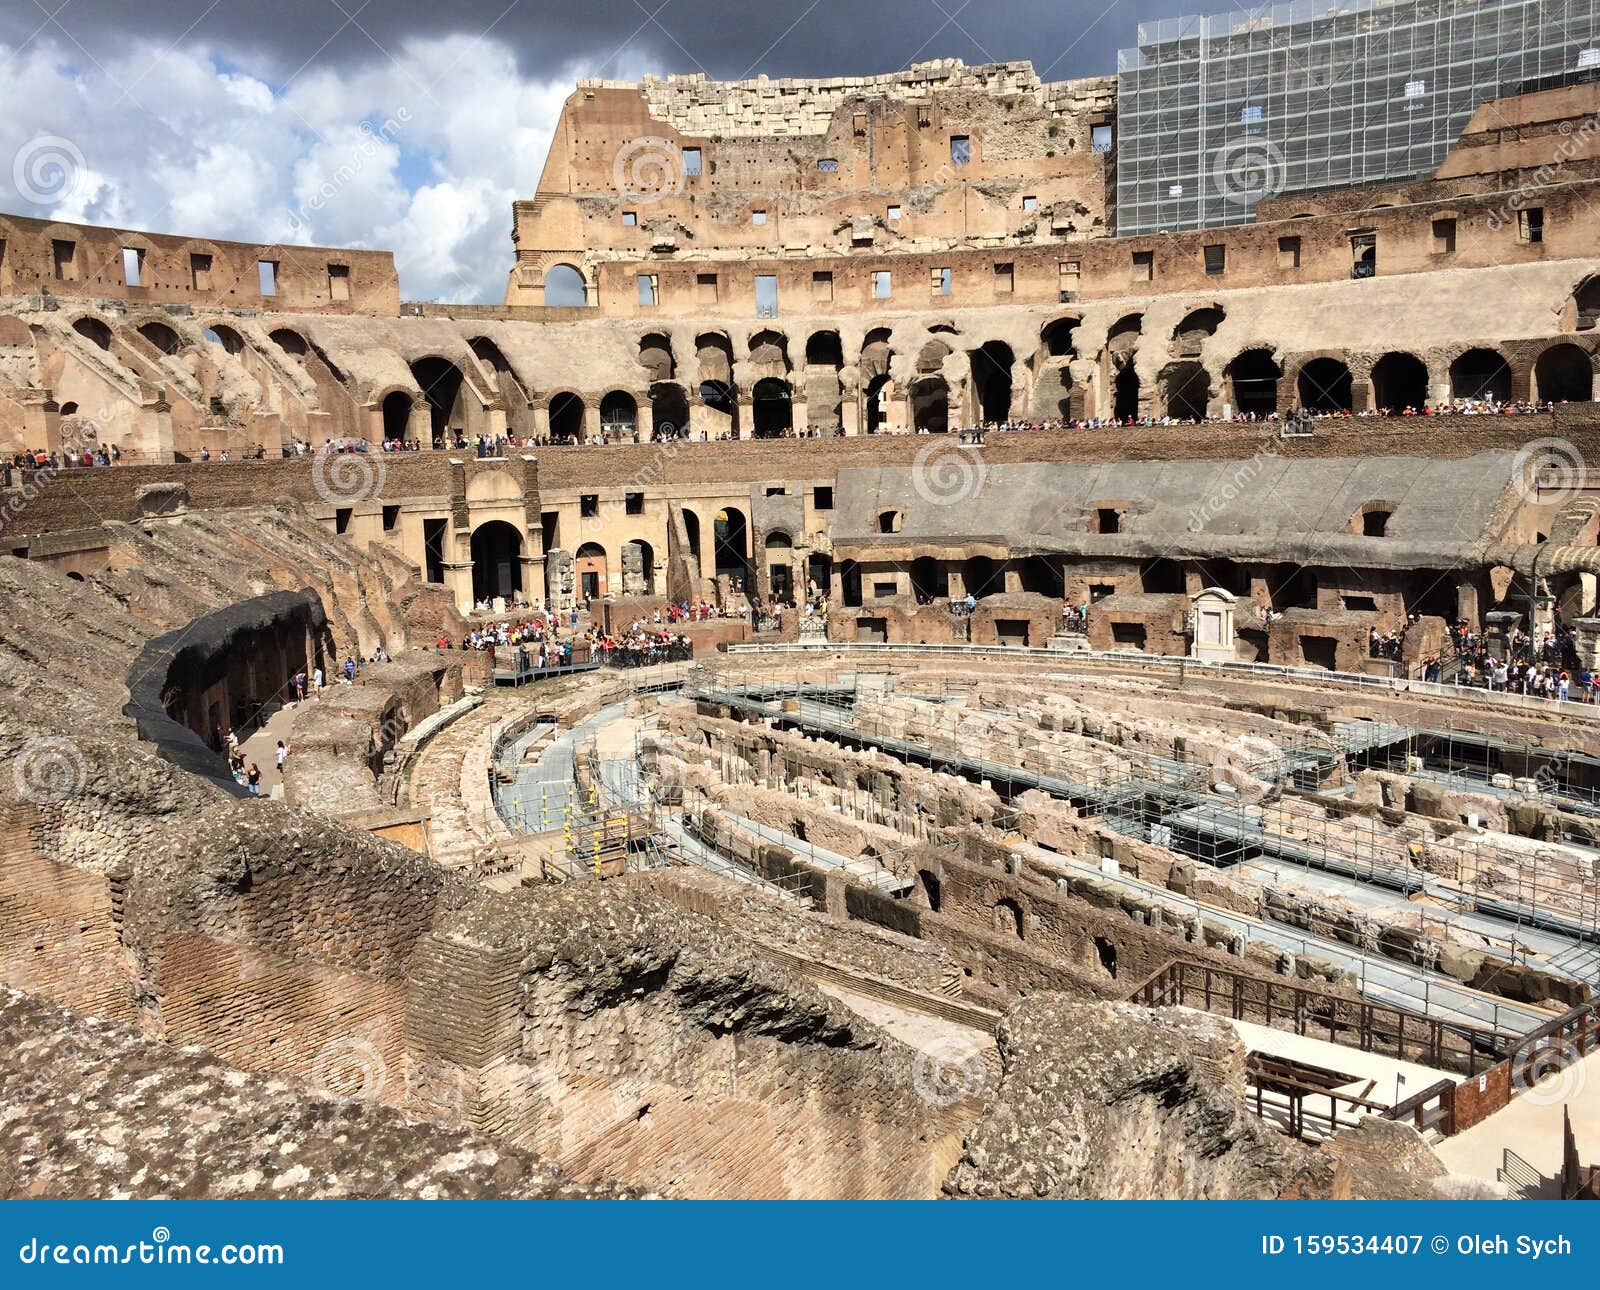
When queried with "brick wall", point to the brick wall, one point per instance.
{"points": [[78, 500]]}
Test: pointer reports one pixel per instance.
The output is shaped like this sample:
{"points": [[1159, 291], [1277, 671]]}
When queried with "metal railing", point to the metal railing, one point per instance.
{"points": [[1352, 1023], [1136, 658]]}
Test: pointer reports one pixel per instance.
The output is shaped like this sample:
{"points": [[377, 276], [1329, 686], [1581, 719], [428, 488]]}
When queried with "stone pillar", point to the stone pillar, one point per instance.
{"points": [[458, 577], [1588, 630], [645, 421], [704, 422], [1498, 626], [541, 423], [1467, 602], [799, 414], [419, 423], [591, 423], [850, 416], [495, 422], [1521, 378], [746, 419]]}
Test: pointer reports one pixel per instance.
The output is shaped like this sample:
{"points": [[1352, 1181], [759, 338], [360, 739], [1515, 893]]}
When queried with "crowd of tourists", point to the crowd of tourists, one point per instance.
{"points": [[66, 458], [1544, 665]]}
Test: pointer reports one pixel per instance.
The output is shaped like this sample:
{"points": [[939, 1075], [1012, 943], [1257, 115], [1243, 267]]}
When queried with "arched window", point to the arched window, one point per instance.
{"points": [[565, 286]]}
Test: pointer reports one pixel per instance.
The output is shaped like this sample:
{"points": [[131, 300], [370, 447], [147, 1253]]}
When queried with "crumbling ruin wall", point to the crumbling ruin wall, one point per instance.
{"points": [[149, 1120], [1110, 1102]]}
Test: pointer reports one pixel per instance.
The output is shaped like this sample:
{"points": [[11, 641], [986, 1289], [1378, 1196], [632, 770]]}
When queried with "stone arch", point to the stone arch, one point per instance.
{"points": [[669, 410], [496, 560], [982, 576], [396, 408], [1400, 381], [714, 358], [442, 385], [513, 392], [619, 417], [990, 366], [875, 396], [93, 330], [930, 358], [565, 286], [1564, 373], [1586, 303], [290, 341], [824, 349], [771, 408], [930, 405], [162, 337], [222, 334], [1125, 394], [769, 352], [655, 356], [876, 383], [1056, 337], [1324, 385], [566, 415], [1253, 377], [1185, 390], [1481, 373], [1197, 327], [1371, 519], [824, 383], [590, 571], [730, 544], [929, 578], [1121, 353]]}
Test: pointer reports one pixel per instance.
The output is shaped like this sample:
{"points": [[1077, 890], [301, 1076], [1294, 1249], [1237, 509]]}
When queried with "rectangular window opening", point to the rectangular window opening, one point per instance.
{"points": [[267, 276], [132, 266], [766, 295]]}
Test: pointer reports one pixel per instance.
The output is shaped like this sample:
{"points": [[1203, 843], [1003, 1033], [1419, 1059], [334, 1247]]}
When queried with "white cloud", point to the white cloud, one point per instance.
{"points": [[421, 152]]}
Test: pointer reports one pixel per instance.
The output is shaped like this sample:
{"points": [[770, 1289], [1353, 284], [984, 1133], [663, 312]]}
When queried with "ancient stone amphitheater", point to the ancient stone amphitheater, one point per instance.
{"points": [[1028, 813], [802, 921]]}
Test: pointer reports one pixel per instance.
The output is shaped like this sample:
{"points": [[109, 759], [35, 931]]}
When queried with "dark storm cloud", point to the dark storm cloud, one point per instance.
{"points": [[724, 38]]}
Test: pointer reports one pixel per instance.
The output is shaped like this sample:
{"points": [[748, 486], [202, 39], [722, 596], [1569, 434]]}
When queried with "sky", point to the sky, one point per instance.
{"points": [[413, 126]]}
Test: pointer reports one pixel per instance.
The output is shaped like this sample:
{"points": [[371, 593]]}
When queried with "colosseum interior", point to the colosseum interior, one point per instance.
{"points": [[976, 704]]}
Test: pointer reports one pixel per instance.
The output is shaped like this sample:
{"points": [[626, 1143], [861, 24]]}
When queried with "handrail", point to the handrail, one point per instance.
{"points": [[1395, 685]]}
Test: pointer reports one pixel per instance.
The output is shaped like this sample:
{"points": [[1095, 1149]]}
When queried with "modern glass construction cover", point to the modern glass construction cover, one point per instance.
{"points": [[1215, 114]]}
